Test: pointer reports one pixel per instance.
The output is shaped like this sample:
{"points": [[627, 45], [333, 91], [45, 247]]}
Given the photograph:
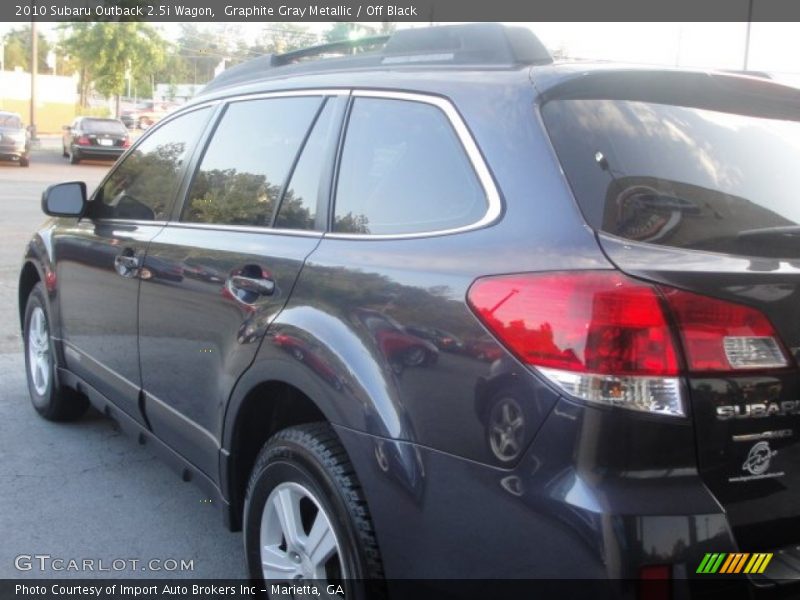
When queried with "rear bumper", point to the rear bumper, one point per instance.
{"points": [[559, 514], [13, 150], [99, 151]]}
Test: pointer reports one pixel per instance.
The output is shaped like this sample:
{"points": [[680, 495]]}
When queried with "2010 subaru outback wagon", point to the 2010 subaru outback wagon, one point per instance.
{"points": [[444, 309]]}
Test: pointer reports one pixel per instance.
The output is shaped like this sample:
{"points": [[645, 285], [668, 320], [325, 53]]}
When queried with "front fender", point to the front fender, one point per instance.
{"points": [[39, 255]]}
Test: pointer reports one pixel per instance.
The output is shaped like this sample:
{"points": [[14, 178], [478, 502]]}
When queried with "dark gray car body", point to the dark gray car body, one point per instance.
{"points": [[597, 493]]}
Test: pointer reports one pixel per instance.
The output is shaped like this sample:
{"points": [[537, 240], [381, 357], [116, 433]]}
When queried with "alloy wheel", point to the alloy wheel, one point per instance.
{"points": [[39, 358], [297, 539]]}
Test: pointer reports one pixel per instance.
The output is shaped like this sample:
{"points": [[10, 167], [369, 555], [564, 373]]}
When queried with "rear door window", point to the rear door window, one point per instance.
{"points": [[403, 170], [681, 176], [245, 166]]}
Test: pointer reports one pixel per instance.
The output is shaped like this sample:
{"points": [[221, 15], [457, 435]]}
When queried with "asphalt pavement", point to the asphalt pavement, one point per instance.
{"points": [[83, 491]]}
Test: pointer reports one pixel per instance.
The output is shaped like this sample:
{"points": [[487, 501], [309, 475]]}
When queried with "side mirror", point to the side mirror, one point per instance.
{"points": [[65, 199]]}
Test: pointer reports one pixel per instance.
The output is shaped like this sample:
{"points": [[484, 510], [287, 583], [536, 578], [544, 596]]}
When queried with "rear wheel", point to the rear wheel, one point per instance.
{"points": [[24, 161], [305, 515], [50, 400], [74, 158], [64, 152]]}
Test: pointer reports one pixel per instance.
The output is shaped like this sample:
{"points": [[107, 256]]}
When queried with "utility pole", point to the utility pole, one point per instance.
{"points": [[747, 35], [34, 67]]}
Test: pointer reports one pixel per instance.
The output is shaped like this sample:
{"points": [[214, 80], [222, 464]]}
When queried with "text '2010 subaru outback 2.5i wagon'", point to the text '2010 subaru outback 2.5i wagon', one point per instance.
{"points": [[616, 250]]}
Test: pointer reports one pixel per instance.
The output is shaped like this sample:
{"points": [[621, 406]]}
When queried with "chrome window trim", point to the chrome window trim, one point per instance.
{"points": [[286, 94], [139, 222], [163, 121], [156, 126], [247, 228], [494, 203], [225, 101]]}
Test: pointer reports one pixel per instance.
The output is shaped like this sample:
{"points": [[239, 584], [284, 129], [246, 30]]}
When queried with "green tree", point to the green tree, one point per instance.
{"points": [[194, 56], [18, 50], [106, 54], [227, 196], [278, 38], [74, 47], [339, 32], [345, 30]]}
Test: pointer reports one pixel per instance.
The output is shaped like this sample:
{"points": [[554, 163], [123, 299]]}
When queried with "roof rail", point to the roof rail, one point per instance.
{"points": [[343, 47], [474, 44]]}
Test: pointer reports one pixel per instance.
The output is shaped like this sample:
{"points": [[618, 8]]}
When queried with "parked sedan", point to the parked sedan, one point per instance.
{"points": [[92, 137], [15, 141], [145, 114]]}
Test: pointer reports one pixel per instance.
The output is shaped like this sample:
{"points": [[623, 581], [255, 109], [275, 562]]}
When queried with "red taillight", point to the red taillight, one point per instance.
{"points": [[83, 141], [722, 336], [607, 338], [589, 322], [126, 143]]}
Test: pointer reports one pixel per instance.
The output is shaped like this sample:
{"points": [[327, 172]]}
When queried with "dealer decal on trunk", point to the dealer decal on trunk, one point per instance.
{"points": [[757, 463]]}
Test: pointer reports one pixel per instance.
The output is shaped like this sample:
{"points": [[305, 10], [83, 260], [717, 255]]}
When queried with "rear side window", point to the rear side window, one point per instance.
{"points": [[681, 176], [143, 185], [404, 170], [247, 161]]}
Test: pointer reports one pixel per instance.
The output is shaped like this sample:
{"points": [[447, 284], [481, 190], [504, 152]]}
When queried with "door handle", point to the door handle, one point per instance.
{"points": [[127, 264], [263, 286]]}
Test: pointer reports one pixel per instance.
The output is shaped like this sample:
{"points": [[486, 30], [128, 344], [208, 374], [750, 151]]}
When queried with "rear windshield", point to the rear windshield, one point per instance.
{"points": [[680, 176], [102, 126], [10, 122]]}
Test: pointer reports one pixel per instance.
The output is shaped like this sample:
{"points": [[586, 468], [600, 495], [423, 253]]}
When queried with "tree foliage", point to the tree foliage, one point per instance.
{"points": [[344, 30], [111, 58], [18, 50], [105, 53]]}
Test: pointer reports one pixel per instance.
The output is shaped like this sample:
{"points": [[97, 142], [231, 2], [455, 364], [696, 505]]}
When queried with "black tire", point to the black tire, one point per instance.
{"points": [[24, 161], [74, 157], [55, 402], [312, 456], [64, 152]]}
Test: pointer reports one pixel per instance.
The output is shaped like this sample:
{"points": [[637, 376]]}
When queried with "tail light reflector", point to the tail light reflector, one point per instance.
{"points": [[606, 338], [720, 336], [83, 141], [126, 142]]}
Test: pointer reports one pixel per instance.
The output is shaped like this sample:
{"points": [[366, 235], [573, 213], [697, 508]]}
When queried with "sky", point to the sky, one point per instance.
{"points": [[774, 47]]}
